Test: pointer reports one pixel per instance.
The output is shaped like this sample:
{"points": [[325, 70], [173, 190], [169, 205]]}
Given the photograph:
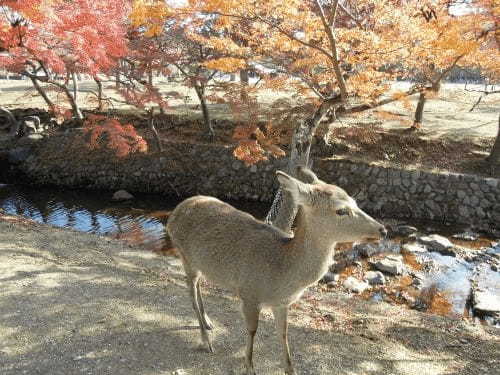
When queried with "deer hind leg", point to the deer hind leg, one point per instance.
{"points": [[193, 278], [281, 318], [207, 323], [251, 314]]}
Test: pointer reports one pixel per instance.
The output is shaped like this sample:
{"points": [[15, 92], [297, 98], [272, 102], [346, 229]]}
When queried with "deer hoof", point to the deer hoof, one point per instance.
{"points": [[250, 370]]}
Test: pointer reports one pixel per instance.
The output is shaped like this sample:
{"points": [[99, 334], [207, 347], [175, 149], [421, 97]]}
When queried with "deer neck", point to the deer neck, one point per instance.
{"points": [[313, 246]]}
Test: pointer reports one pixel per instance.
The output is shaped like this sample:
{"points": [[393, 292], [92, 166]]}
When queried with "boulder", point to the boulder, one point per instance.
{"points": [[413, 248], [375, 278], [354, 285], [486, 301], [440, 244], [486, 293], [402, 231], [367, 249], [494, 251], [122, 195], [390, 265], [466, 236], [329, 277]]}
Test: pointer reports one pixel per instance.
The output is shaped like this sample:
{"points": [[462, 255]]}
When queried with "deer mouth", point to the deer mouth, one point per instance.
{"points": [[377, 237]]}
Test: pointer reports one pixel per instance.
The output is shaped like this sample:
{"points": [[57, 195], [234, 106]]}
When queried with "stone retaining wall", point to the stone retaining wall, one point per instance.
{"points": [[188, 169]]}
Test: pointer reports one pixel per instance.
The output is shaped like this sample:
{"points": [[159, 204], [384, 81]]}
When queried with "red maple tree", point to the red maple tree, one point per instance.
{"points": [[43, 40]]}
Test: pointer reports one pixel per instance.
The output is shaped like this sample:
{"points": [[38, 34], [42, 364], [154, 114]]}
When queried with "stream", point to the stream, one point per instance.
{"points": [[141, 221]]}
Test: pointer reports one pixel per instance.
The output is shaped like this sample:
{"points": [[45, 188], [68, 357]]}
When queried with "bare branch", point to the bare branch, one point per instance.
{"points": [[333, 45], [484, 93], [293, 37], [42, 66], [350, 15], [280, 29], [365, 107], [476, 103], [447, 70], [178, 66]]}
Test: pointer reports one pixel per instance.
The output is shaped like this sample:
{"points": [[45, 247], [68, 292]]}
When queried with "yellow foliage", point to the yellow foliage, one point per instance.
{"points": [[226, 64], [398, 95], [290, 45], [151, 14]]}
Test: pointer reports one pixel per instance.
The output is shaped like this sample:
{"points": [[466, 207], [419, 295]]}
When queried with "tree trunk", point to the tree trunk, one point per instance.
{"points": [[75, 86], [42, 93], [117, 75], [200, 92], [150, 77], [151, 125], [244, 83], [99, 94], [419, 112], [74, 106], [301, 147], [494, 157], [282, 213], [244, 77]]}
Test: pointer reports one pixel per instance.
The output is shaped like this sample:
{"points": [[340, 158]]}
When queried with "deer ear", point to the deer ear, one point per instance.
{"points": [[294, 186], [287, 182], [308, 176]]}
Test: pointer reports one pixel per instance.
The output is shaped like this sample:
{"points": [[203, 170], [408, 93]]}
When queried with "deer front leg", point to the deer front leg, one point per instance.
{"points": [[206, 321], [192, 282], [281, 318], [251, 314]]}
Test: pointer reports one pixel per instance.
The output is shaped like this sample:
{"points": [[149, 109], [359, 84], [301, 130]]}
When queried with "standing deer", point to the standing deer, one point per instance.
{"points": [[263, 265]]}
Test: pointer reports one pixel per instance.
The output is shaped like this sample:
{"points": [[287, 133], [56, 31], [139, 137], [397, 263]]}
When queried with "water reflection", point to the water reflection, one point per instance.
{"points": [[140, 221], [450, 275]]}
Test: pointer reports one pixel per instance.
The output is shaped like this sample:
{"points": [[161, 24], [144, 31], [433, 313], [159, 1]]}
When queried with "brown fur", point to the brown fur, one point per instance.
{"points": [[263, 265]]}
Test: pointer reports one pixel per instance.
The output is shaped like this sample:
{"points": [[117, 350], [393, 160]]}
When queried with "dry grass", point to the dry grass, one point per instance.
{"points": [[436, 302], [410, 260], [412, 150]]}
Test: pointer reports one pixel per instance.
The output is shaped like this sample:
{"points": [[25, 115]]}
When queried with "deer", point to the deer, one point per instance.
{"points": [[263, 265]]}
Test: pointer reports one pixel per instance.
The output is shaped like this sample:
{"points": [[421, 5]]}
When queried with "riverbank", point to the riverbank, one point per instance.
{"points": [[75, 303], [186, 169]]}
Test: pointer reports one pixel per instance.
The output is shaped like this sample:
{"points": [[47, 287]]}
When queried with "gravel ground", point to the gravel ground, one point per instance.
{"points": [[73, 303]]}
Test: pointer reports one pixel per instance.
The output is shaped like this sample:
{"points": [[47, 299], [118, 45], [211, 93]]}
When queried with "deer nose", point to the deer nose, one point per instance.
{"points": [[383, 232]]}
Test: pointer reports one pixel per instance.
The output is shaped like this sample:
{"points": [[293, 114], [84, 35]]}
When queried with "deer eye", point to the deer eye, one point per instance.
{"points": [[342, 211]]}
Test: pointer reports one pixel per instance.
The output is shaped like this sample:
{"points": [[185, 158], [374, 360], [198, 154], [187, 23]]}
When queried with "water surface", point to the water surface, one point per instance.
{"points": [[139, 221]]}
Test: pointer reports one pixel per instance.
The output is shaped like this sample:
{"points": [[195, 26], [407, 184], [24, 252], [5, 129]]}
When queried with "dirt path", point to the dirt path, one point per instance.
{"points": [[72, 303]]}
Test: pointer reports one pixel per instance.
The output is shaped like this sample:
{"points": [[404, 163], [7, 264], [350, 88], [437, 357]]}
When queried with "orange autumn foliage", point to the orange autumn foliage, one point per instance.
{"points": [[109, 133], [318, 50]]}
